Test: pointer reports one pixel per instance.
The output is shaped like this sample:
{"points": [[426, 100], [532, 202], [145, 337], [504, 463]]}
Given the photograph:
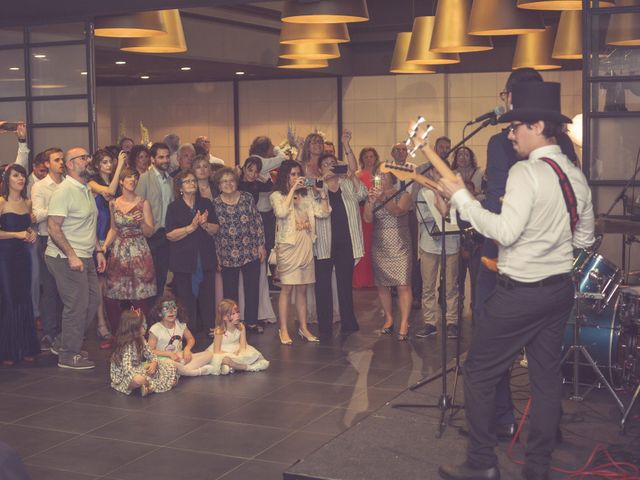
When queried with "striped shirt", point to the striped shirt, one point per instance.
{"points": [[353, 192]]}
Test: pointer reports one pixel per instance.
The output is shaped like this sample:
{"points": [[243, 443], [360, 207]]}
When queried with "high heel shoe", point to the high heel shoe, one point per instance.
{"points": [[403, 337], [282, 341], [310, 338], [387, 330]]}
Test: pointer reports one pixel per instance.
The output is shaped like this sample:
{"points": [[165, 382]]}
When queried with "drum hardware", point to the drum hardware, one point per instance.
{"points": [[596, 275], [578, 348], [630, 359]]}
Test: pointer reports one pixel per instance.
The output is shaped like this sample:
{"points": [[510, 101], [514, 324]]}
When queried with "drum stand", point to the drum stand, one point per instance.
{"points": [[577, 348], [628, 411]]}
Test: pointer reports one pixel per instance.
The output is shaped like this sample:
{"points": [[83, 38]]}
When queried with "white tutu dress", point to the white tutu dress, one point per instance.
{"points": [[230, 344]]}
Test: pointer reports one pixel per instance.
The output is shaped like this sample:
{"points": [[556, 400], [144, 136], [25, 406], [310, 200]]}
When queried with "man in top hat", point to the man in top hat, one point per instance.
{"points": [[538, 227]]}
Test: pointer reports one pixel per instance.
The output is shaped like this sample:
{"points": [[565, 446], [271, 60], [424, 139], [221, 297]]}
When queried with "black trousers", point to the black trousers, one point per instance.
{"points": [[342, 260], [159, 246], [201, 309], [513, 318], [50, 303], [251, 284]]}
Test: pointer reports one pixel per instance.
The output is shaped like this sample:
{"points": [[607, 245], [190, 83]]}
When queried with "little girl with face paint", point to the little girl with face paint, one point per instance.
{"points": [[171, 340]]}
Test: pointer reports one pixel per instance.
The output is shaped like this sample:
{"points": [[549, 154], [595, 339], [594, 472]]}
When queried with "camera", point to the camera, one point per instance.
{"points": [[312, 182], [340, 169]]}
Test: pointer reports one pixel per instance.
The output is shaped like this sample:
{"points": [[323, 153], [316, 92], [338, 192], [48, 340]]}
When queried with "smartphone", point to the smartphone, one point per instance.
{"points": [[309, 182], [377, 181], [340, 169], [9, 126]]}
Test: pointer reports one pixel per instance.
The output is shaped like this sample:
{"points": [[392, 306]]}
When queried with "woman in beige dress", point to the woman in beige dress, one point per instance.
{"points": [[295, 207]]}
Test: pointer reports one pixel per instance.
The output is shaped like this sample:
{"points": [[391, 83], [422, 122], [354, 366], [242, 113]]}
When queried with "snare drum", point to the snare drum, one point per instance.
{"points": [[600, 278], [630, 306], [600, 334]]}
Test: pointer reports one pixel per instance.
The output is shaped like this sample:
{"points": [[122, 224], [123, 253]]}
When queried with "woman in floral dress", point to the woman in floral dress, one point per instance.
{"points": [[130, 272]]}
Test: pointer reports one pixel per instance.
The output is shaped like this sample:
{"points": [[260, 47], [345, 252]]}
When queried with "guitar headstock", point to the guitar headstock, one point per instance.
{"points": [[418, 135], [406, 171]]}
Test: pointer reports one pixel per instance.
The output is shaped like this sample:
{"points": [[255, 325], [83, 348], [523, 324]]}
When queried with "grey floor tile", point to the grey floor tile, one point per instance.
{"points": [[73, 417], [295, 447], [257, 470], [30, 441], [60, 388], [44, 473], [276, 414], [314, 393], [14, 407]]}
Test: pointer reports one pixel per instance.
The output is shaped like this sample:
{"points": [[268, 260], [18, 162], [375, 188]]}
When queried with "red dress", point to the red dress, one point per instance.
{"points": [[363, 271]]}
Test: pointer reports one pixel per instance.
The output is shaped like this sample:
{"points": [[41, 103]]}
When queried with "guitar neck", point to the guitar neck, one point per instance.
{"points": [[438, 163]]}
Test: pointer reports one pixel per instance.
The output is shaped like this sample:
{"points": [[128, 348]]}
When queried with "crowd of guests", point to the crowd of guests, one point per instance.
{"points": [[87, 236]]}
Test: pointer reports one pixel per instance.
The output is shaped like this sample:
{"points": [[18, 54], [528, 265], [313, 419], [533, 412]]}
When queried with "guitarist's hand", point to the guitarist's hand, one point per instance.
{"points": [[449, 187], [441, 203]]}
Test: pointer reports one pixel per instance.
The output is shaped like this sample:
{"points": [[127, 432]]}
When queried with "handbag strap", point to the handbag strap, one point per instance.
{"points": [[567, 192]]}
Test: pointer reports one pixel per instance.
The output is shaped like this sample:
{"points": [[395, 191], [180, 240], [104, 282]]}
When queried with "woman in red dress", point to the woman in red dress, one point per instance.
{"points": [[363, 271]]}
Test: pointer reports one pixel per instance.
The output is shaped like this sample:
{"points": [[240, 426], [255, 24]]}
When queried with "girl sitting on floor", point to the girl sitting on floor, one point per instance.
{"points": [[167, 336], [133, 364], [230, 349]]}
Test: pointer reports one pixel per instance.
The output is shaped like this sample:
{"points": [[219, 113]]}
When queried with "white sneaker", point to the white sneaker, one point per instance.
{"points": [[206, 370], [225, 370]]}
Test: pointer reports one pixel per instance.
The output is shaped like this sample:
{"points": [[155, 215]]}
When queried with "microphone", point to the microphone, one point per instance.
{"points": [[493, 114]]}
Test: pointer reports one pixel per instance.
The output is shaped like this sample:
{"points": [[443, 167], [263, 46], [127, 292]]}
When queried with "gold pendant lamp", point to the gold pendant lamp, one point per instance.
{"points": [[399, 62], [419, 52], [310, 51], [301, 64], [171, 42], [559, 4], [135, 25], [533, 50], [450, 31], [502, 17], [624, 28], [325, 11], [568, 43], [292, 33]]}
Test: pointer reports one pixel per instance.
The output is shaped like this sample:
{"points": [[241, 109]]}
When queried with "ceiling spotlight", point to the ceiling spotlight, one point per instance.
{"points": [[83, 73], [14, 69], [39, 55], [120, 62], [240, 73], [144, 77], [185, 69]]}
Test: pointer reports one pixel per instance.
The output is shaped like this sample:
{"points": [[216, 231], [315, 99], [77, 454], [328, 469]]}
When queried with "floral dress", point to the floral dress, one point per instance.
{"points": [[121, 375], [130, 272]]}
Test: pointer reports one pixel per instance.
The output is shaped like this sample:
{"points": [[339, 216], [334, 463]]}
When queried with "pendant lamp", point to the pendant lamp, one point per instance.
{"points": [[624, 28], [314, 33], [559, 4], [419, 52], [450, 32], [310, 51], [568, 43], [171, 42], [325, 11], [134, 25], [301, 63], [533, 50], [502, 17], [399, 62]]}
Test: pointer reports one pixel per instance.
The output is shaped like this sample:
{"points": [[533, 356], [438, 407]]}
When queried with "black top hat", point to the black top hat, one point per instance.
{"points": [[533, 101]]}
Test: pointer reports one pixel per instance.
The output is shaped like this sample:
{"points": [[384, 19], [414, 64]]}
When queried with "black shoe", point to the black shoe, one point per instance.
{"points": [[506, 431], [465, 472], [529, 474], [452, 331], [427, 331], [255, 328], [416, 305]]}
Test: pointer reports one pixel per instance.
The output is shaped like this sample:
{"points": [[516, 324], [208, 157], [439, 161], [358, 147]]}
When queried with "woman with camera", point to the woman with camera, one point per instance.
{"points": [[296, 203]]}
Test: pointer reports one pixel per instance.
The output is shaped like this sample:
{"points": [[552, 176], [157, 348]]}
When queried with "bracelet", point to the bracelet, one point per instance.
{"points": [[100, 251]]}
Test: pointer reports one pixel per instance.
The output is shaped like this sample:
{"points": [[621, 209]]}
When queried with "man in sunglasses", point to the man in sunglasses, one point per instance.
{"points": [[546, 211], [71, 223]]}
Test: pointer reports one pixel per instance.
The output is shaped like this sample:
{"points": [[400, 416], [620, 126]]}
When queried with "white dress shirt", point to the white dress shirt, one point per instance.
{"points": [[40, 198], [165, 188], [533, 231]]}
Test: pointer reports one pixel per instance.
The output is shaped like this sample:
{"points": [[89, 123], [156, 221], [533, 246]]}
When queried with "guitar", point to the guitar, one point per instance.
{"points": [[418, 137], [407, 171]]}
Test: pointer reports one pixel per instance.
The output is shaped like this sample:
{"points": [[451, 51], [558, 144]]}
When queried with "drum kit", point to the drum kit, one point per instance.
{"points": [[604, 327]]}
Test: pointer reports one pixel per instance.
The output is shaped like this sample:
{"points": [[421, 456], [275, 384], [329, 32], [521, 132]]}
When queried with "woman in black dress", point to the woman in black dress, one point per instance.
{"points": [[18, 339]]}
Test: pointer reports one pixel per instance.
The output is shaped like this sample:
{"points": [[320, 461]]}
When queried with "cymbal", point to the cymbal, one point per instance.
{"points": [[612, 225]]}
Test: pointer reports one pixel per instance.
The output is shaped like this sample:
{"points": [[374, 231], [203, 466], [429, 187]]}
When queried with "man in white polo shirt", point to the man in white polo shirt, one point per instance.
{"points": [[69, 257]]}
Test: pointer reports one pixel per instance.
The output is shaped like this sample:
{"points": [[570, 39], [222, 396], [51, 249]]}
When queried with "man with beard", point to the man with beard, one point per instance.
{"points": [[156, 186], [71, 223]]}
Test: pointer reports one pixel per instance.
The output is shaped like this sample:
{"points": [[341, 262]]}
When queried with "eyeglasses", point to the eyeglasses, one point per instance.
{"points": [[83, 157], [168, 306], [228, 180], [503, 95], [514, 126], [189, 180]]}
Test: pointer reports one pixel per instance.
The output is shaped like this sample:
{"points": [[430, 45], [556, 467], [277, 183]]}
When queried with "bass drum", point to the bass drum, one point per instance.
{"points": [[600, 334]]}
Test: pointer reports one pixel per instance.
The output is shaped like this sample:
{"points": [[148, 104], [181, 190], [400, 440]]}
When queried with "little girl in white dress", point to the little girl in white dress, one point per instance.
{"points": [[229, 349]]}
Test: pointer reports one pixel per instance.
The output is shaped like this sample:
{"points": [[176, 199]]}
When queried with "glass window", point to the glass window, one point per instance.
{"points": [[60, 111], [11, 112], [616, 97], [58, 70], [63, 137], [12, 73], [60, 32], [614, 146], [11, 36]]}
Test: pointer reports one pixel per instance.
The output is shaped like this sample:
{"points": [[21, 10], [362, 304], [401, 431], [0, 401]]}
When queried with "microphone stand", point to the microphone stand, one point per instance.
{"points": [[489, 121]]}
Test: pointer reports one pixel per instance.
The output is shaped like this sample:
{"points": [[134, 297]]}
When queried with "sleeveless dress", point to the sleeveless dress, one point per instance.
{"points": [[17, 326], [230, 343], [130, 272], [391, 247], [363, 271]]}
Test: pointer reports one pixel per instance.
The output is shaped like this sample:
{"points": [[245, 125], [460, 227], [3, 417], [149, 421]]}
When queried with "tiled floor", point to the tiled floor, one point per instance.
{"points": [[71, 425]]}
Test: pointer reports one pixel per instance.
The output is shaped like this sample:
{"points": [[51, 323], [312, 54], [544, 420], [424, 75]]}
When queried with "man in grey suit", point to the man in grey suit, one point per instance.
{"points": [[156, 186]]}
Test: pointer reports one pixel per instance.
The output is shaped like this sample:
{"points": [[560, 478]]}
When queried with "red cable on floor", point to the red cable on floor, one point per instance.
{"points": [[621, 470]]}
